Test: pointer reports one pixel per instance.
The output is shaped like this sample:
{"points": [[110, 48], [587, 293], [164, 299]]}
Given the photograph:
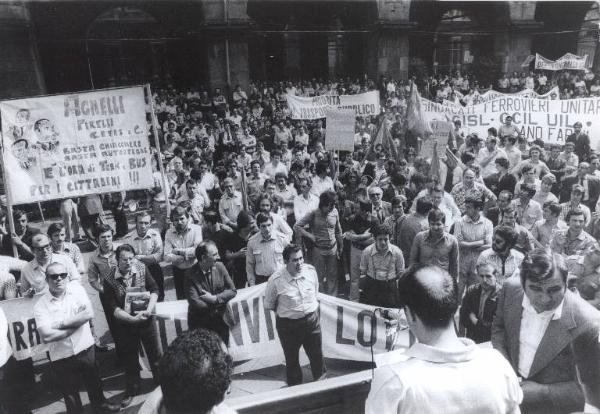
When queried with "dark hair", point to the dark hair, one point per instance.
{"points": [[380, 229], [540, 264], [530, 188], [263, 218], [508, 234], [195, 372], [574, 212], [424, 205], [268, 181], [327, 198], [179, 211], [55, 228], [554, 207], [526, 168], [434, 305], [254, 162], [493, 131], [243, 219], [102, 228], [17, 214], [211, 216], [202, 248], [281, 175], [143, 213], [435, 214], [507, 192], [289, 250], [503, 162], [474, 201], [398, 201], [124, 248], [321, 167], [467, 157]]}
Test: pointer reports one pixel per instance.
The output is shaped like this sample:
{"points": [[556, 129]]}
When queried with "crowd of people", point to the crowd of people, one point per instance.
{"points": [[251, 197]]}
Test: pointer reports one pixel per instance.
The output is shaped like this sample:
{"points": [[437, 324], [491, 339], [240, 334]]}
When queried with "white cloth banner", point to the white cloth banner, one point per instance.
{"points": [[348, 329], [568, 61], [24, 338], [71, 145], [340, 130], [316, 107], [549, 120]]}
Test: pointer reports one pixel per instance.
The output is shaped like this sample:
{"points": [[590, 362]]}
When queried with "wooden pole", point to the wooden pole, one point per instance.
{"points": [[161, 167], [41, 212], [9, 211]]}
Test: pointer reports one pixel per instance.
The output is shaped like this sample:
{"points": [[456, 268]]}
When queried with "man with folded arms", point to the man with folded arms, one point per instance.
{"points": [[62, 317]]}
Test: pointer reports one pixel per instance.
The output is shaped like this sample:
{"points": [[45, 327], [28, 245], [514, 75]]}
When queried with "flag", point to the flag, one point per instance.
{"points": [[415, 120]]}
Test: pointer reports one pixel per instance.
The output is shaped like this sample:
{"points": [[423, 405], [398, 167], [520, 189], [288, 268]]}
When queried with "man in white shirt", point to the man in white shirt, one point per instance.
{"points": [[441, 372], [487, 155], [33, 274], [550, 337], [62, 317], [305, 201]]}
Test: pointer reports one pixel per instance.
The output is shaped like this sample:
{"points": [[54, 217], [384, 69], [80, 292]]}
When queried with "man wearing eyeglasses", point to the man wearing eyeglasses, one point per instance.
{"points": [[379, 209], [33, 274], [62, 317]]}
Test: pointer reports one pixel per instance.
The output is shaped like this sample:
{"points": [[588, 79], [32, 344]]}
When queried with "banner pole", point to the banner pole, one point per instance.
{"points": [[9, 210], [157, 144], [41, 212]]}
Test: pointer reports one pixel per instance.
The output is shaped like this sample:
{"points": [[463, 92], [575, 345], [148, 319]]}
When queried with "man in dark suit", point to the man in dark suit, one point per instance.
{"points": [[479, 305], [380, 209], [495, 214], [550, 337], [590, 183]]}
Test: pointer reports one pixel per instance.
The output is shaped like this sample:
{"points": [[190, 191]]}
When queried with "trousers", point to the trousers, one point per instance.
{"points": [[296, 333], [68, 212], [326, 266], [70, 372]]}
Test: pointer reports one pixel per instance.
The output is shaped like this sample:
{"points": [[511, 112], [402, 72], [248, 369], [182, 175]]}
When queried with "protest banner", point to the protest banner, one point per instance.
{"points": [[440, 133], [553, 94], [340, 130], [349, 329], [22, 330], [568, 61], [363, 104], [549, 120], [66, 146]]}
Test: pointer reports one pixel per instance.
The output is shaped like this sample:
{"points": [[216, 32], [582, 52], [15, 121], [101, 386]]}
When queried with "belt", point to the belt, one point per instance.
{"points": [[308, 315], [383, 280]]}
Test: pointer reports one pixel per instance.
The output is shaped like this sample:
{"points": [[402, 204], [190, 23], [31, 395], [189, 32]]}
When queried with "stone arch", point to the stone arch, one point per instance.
{"points": [[587, 39]]}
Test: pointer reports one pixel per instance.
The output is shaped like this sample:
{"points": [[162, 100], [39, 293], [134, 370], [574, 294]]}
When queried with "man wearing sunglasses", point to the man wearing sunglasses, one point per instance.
{"points": [[62, 317], [33, 274]]}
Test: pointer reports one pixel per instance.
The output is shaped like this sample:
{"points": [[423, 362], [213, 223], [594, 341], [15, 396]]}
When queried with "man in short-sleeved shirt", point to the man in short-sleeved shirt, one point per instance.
{"points": [[62, 317], [292, 294]]}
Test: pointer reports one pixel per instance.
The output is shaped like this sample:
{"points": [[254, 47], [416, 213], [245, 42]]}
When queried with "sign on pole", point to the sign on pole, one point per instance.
{"points": [[340, 130], [72, 145], [440, 133]]}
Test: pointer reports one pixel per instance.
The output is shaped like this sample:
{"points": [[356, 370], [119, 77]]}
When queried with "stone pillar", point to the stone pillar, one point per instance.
{"points": [[291, 43], [20, 68], [391, 53], [390, 40], [512, 47], [226, 24]]}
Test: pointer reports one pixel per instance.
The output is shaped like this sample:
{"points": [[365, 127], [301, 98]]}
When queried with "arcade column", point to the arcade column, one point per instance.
{"points": [[512, 48], [227, 60], [20, 66], [388, 53]]}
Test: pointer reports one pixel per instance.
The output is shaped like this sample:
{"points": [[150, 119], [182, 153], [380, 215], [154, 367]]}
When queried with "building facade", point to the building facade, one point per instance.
{"points": [[57, 47]]}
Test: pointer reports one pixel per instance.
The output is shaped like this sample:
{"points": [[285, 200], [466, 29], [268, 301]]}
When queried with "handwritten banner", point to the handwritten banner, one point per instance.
{"points": [[440, 134], [348, 329], [340, 130], [568, 61], [549, 120], [363, 104], [71, 145]]}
